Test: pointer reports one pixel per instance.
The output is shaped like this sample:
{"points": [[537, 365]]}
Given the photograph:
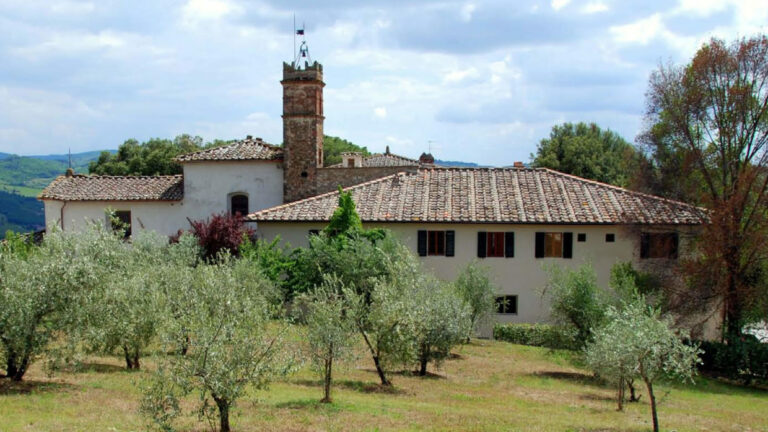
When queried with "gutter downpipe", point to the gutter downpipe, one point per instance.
{"points": [[61, 215]]}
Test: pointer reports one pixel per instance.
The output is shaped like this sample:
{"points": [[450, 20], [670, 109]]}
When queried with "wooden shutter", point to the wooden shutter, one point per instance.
{"points": [[675, 245], [450, 237], [539, 253], [481, 243], [568, 245], [509, 244], [422, 247], [644, 245]]}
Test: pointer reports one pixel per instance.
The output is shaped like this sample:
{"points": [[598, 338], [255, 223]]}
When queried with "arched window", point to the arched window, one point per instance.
{"points": [[239, 204]]}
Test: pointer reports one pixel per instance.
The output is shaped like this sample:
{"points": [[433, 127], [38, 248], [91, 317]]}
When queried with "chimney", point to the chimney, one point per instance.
{"points": [[518, 164], [386, 152], [426, 159], [69, 173]]}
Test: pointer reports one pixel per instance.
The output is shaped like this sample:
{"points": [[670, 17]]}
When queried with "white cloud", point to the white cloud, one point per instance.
{"points": [[559, 4], [199, 11], [467, 10], [641, 31], [594, 7], [71, 43], [380, 112], [460, 75]]}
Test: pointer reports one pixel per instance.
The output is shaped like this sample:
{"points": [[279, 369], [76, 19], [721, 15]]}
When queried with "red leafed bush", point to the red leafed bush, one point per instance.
{"points": [[220, 231]]}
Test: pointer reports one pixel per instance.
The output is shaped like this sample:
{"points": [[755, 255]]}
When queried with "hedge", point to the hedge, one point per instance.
{"points": [[745, 361], [541, 335]]}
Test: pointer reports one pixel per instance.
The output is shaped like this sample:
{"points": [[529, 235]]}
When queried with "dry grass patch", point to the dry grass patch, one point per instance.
{"points": [[487, 386]]}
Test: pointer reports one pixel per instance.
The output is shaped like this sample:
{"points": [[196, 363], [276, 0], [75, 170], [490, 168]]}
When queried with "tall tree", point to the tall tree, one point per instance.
{"points": [[587, 151], [710, 118], [334, 146]]}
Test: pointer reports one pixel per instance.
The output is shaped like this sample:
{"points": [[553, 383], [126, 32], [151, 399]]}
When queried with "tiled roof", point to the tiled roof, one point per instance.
{"points": [[491, 195], [383, 160], [247, 149], [115, 188]]}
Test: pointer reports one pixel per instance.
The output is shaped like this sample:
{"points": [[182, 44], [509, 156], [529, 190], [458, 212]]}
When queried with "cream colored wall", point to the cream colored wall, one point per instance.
{"points": [[208, 185], [163, 217], [523, 275]]}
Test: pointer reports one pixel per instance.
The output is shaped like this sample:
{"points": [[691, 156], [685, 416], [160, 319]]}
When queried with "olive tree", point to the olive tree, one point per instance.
{"points": [[441, 321], [636, 342], [330, 330], [575, 299], [230, 345], [42, 291], [476, 289]]}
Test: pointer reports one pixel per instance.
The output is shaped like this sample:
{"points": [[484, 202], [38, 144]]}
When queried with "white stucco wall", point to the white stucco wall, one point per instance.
{"points": [[208, 186], [163, 217], [523, 275]]}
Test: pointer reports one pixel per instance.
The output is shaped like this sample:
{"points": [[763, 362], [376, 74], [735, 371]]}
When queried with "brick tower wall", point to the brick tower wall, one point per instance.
{"points": [[302, 130]]}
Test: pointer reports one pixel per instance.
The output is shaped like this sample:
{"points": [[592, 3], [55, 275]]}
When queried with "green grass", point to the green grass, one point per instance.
{"points": [[489, 386]]}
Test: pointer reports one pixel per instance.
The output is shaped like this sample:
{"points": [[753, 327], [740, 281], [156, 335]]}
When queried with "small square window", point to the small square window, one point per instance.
{"points": [[506, 305], [581, 237], [314, 232], [122, 221], [610, 238]]}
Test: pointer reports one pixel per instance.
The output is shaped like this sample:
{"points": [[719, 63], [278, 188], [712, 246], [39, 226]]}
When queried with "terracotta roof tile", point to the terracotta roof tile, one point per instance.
{"points": [[492, 195], [247, 149], [115, 188]]}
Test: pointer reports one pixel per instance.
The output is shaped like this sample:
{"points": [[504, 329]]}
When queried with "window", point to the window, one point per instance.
{"points": [[581, 237], [506, 305], [658, 245], [436, 242], [495, 244], [554, 245], [122, 221], [314, 232], [610, 238], [350, 163], [239, 204]]}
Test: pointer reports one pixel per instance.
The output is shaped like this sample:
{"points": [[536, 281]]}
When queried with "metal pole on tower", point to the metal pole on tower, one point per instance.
{"points": [[294, 38]]}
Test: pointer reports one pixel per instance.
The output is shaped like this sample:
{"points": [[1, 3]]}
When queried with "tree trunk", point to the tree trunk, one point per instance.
{"points": [[632, 395], [380, 371], [423, 360], [653, 404], [620, 395], [328, 372], [223, 406], [16, 367]]}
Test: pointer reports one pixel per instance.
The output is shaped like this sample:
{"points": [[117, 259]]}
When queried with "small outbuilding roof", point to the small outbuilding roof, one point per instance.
{"points": [[491, 195], [242, 150], [114, 188]]}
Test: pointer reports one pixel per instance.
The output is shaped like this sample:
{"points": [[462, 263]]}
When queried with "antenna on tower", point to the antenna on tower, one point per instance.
{"points": [[303, 47], [69, 153]]}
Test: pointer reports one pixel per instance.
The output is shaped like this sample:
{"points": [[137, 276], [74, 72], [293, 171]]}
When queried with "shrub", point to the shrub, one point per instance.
{"points": [[576, 300], [474, 286], [541, 335], [745, 361], [220, 232]]}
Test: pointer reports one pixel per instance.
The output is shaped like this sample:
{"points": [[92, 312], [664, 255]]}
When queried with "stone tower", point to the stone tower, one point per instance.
{"points": [[302, 129]]}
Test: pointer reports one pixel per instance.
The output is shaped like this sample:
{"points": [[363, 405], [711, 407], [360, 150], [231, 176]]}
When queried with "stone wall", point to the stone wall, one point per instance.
{"points": [[302, 130], [329, 179]]}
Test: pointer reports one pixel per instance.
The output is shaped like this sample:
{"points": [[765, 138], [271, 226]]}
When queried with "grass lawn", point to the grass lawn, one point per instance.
{"points": [[489, 386]]}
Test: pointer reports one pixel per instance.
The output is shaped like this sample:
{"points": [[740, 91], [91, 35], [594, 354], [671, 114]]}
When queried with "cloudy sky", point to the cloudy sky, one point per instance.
{"points": [[476, 80]]}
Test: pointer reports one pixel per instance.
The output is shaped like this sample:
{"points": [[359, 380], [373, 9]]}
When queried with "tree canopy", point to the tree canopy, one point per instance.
{"points": [[152, 157], [333, 147], [586, 150], [707, 137]]}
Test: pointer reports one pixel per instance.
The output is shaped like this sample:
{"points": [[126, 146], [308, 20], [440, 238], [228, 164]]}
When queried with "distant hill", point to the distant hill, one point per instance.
{"points": [[22, 178], [19, 213], [457, 164]]}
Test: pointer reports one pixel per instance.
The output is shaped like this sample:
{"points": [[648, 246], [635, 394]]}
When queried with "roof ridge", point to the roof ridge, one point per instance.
{"points": [[618, 188]]}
